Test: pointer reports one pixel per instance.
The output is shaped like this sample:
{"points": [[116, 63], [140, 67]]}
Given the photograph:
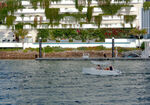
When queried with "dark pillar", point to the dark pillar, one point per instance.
{"points": [[40, 47], [113, 47]]}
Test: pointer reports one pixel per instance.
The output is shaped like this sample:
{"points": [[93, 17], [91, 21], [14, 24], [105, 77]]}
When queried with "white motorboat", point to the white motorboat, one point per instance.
{"points": [[100, 63], [94, 71]]}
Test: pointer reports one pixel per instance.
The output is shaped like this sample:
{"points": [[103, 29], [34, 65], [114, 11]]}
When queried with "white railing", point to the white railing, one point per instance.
{"points": [[71, 10], [30, 11], [29, 19]]}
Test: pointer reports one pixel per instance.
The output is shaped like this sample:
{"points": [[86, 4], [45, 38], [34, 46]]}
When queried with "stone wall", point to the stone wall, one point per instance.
{"points": [[17, 55], [67, 54]]}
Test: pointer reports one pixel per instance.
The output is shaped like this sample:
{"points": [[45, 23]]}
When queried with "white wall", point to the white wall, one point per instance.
{"points": [[130, 43], [10, 45], [76, 45]]}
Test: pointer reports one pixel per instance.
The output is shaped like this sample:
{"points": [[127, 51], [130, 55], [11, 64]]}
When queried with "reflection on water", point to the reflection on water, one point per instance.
{"points": [[26, 82]]}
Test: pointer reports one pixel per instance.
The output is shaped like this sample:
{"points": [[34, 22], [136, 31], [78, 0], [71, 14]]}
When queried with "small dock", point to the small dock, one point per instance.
{"points": [[89, 59]]}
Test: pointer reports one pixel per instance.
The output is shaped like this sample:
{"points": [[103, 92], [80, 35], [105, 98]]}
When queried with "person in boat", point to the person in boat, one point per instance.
{"points": [[107, 68], [98, 67], [105, 55], [110, 68]]}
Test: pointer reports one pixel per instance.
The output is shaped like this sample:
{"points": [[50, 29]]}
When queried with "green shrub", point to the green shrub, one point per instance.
{"points": [[19, 26], [57, 40], [83, 40], [70, 40], [97, 40], [44, 34], [100, 48], [143, 46], [52, 49], [121, 49], [44, 40], [82, 48], [10, 49], [31, 49], [25, 50], [92, 48], [48, 49], [58, 49]]}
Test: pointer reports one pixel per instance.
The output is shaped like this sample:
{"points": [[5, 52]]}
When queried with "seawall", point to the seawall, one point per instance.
{"points": [[66, 54]]}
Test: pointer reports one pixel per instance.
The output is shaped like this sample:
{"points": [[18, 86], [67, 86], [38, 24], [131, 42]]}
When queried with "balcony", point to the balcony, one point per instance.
{"points": [[30, 11], [69, 10]]}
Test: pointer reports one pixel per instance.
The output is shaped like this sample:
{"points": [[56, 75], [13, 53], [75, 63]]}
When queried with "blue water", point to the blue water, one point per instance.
{"points": [[30, 82]]}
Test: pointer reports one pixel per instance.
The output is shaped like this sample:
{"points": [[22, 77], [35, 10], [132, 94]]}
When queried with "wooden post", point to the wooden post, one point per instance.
{"points": [[113, 47], [40, 47]]}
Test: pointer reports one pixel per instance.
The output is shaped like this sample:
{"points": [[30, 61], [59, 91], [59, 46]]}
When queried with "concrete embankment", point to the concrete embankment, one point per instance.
{"points": [[90, 59], [17, 55], [66, 54]]}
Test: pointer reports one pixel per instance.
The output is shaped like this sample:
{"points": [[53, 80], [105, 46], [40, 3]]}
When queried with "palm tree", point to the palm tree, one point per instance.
{"points": [[35, 21], [119, 15], [41, 19], [22, 16], [10, 20], [21, 33], [138, 32], [143, 31]]}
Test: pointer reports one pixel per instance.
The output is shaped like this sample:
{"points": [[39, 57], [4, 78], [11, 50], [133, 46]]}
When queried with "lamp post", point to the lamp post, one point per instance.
{"points": [[113, 47], [40, 47]]}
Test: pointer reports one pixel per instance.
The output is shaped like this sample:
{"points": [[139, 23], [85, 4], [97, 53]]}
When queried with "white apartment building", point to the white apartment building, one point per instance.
{"points": [[68, 6]]}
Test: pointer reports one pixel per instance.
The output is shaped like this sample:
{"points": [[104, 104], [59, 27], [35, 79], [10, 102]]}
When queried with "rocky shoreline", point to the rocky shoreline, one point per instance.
{"points": [[65, 54]]}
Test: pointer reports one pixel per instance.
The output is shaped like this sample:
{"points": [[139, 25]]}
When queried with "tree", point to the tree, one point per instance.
{"points": [[83, 35], [69, 33], [137, 32], [21, 33], [52, 14], [19, 26], [98, 20], [35, 21], [129, 19], [3, 12], [41, 19], [8, 7], [34, 3], [43, 33], [9, 20], [22, 16], [99, 34], [89, 13], [146, 5], [57, 33], [143, 31]]}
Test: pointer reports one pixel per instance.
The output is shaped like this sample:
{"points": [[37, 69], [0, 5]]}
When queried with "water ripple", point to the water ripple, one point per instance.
{"points": [[29, 82]]}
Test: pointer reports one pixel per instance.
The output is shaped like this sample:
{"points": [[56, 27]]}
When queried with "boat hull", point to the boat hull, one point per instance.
{"points": [[94, 71]]}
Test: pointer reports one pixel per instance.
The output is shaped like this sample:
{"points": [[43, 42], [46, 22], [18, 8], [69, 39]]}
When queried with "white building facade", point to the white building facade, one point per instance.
{"points": [[69, 7]]}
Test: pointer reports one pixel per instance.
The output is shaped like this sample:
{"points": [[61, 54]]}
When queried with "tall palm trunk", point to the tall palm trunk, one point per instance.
{"points": [[23, 43], [139, 41]]}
